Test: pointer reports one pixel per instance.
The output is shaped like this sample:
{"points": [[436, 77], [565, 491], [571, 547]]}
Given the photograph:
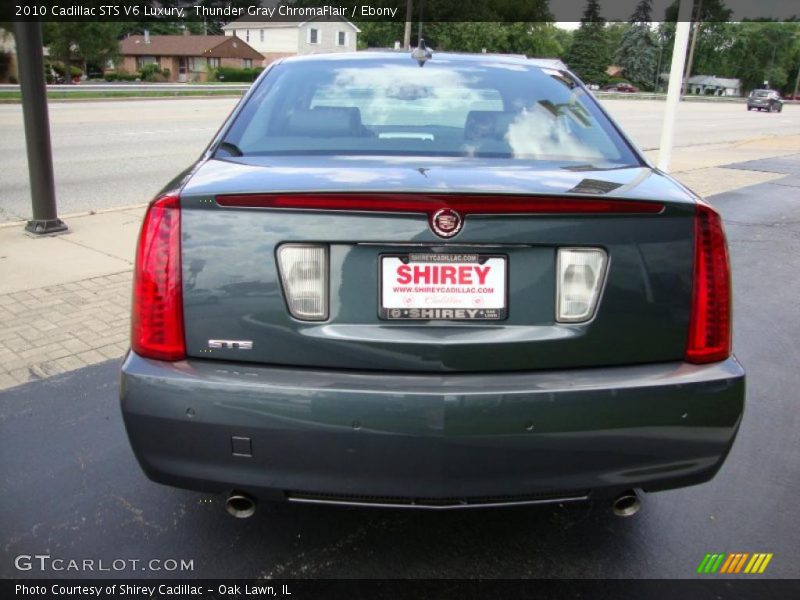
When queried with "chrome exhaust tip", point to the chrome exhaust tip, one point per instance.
{"points": [[626, 504], [240, 505]]}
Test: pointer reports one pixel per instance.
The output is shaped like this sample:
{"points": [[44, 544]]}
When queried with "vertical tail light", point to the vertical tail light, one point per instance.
{"points": [[581, 272], [710, 319], [157, 320], [304, 273]]}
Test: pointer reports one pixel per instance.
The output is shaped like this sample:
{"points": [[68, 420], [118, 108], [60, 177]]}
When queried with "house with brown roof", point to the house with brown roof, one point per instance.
{"points": [[188, 57]]}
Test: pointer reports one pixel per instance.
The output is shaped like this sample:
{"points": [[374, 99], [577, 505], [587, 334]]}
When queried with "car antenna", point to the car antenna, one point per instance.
{"points": [[421, 53]]}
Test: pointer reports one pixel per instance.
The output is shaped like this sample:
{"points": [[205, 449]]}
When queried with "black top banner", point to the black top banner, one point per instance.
{"points": [[383, 10]]}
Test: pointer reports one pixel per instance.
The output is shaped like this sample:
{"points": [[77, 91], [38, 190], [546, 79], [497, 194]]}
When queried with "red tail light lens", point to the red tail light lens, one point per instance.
{"points": [[710, 321], [157, 320]]}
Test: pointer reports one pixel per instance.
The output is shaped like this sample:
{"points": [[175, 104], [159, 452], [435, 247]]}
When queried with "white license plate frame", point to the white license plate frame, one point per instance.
{"points": [[450, 300]]}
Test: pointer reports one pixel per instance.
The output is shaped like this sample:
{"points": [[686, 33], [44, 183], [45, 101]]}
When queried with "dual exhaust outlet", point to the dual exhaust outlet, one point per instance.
{"points": [[626, 504], [242, 505]]}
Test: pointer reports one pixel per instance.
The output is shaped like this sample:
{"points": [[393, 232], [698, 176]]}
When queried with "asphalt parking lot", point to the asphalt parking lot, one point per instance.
{"points": [[72, 488]]}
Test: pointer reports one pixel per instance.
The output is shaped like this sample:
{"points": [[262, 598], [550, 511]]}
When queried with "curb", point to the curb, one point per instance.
{"points": [[136, 98], [87, 213]]}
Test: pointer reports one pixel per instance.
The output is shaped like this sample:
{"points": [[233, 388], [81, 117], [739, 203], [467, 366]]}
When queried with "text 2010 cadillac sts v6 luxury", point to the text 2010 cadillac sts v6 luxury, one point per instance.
{"points": [[444, 282]]}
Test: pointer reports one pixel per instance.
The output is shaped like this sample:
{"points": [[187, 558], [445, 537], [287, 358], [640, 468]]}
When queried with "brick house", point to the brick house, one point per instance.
{"points": [[277, 39], [188, 57]]}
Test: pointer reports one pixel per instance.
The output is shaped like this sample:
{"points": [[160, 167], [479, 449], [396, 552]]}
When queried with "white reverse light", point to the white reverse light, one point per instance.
{"points": [[580, 273], [304, 274]]}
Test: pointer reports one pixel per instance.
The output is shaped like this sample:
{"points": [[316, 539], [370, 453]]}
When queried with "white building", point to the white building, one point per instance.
{"points": [[712, 85], [275, 39]]}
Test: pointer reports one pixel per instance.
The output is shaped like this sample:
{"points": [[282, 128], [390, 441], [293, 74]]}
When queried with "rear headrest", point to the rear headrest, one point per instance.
{"points": [[487, 124], [325, 121]]}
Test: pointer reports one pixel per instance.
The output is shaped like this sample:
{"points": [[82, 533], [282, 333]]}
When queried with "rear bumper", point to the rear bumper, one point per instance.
{"points": [[430, 439]]}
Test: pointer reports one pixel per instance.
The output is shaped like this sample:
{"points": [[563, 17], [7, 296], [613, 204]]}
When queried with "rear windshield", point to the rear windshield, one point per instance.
{"points": [[762, 94], [446, 108]]}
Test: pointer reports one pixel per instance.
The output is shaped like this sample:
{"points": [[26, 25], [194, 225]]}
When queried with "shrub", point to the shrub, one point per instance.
{"points": [[121, 75], [615, 80], [61, 70], [150, 72], [234, 75], [153, 73]]}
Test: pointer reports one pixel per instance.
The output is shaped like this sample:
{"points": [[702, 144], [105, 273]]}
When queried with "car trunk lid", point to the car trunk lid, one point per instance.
{"points": [[233, 225]]}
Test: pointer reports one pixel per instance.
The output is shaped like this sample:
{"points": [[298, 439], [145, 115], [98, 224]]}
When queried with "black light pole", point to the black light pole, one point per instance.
{"points": [[37, 130]]}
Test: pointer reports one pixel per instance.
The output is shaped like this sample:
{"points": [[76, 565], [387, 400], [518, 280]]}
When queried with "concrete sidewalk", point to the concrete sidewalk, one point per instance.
{"points": [[65, 300]]}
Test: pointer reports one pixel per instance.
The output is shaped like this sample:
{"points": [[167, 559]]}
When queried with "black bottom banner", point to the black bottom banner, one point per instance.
{"points": [[376, 589]]}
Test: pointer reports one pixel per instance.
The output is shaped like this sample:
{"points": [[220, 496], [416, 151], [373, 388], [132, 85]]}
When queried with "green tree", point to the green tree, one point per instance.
{"points": [[532, 39], [210, 26], [563, 37], [472, 36], [588, 55], [615, 31], [637, 52], [751, 51], [544, 40], [463, 25], [765, 51], [439, 11], [213, 26], [92, 42], [161, 27], [379, 34], [713, 35]]}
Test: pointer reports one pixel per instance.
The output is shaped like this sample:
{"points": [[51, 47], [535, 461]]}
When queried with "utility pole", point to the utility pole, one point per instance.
{"points": [[421, 16], [407, 32], [674, 89], [696, 20], [37, 130]]}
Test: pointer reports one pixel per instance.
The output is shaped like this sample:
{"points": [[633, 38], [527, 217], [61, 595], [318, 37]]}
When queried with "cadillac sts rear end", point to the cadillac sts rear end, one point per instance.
{"points": [[436, 283]]}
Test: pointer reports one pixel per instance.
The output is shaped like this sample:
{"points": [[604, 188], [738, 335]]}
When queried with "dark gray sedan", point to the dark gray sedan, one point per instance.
{"points": [[436, 282], [768, 100]]}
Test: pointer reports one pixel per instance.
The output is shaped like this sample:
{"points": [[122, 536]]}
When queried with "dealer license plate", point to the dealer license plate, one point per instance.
{"points": [[443, 286]]}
